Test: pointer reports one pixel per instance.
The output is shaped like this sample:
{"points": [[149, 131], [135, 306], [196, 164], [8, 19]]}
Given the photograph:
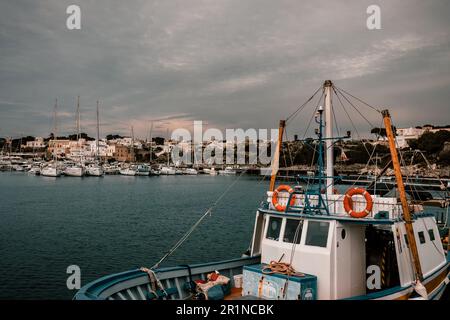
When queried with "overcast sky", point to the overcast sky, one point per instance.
{"points": [[232, 64]]}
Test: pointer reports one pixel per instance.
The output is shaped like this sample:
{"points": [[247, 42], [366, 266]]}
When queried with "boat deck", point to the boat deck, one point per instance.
{"points": [[236, 294]]}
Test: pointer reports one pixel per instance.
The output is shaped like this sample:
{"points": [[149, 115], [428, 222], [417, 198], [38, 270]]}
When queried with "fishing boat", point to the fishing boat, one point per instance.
{"points": [[310, 242]]}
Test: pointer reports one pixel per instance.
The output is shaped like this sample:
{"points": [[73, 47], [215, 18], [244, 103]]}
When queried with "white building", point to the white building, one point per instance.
{"points": [[406, 134], [37, 143]]}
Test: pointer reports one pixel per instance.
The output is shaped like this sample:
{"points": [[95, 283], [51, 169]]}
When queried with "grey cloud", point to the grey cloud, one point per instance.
{"points": [[230, 63]]}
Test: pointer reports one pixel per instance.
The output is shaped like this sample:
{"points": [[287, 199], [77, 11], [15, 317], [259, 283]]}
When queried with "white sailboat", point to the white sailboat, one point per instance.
{"points": [[96, 169], [52, 169], [76, 169]]}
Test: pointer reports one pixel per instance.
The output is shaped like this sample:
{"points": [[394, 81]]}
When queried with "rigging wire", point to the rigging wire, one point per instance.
{"points": [[377, 110], [351, 121], [197, 223], [367, 120], [294, 114]]}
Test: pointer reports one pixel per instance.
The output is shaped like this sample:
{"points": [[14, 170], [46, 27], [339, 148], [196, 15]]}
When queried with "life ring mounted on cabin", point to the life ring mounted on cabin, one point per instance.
{"points": [[276, 204], [348, 202]]}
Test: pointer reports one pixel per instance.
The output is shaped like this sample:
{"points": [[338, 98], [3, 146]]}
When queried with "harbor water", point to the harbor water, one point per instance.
{"points": [[116, 223]]}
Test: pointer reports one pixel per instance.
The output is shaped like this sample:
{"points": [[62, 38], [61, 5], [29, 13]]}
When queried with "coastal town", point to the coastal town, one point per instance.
{"points": [[424, 147]]}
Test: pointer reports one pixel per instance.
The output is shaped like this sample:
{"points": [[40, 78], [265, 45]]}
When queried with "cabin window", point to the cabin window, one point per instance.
{"points": [[291, 228], [317, 234], [274, 228], [421, 237], [431, 233], [406, 240]]}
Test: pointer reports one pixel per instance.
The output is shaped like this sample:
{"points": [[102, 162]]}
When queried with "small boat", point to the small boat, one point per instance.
{"points": [[74, 171], [167, 170], [111, 169], [35, 170], [229, 171], [95, 170], [211, 171], [155, 172], [50, 171], [143, 170], [130, 171], [18, 168], [190, 171]]}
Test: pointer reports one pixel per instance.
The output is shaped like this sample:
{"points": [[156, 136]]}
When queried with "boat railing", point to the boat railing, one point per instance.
{"points": [[383, 207]]}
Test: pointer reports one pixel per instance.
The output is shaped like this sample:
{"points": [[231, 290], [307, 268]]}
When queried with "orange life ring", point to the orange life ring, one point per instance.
{"points": [[348, 202], [275, 203]]}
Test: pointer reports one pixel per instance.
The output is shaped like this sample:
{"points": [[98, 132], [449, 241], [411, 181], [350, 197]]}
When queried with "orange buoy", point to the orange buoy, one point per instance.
{"points": [[348, 202], [275, 203]]}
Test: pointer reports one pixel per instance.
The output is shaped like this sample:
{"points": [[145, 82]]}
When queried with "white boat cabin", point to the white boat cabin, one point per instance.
{"points": [[351, 257]]}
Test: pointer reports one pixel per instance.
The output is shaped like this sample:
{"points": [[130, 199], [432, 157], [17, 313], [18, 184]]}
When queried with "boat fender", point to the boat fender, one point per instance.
{"points": [[275, 194], [348, 202]]}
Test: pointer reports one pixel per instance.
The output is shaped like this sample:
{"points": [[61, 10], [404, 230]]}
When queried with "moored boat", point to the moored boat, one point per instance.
{"points": [[143, 170], [130, 171], [75, 170], [311, 242], [95, 170]]}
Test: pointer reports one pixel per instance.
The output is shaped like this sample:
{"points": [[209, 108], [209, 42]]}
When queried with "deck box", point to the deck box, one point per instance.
{"points": [[272, 286]]}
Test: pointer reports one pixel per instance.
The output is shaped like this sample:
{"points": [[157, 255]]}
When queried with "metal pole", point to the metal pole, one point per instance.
{"points": [[329, 135], [98, 133]]}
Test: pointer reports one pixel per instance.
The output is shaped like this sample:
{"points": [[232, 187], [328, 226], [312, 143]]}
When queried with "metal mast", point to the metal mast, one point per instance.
{"points": [[132, 145], [55, 129], [329, 137], [78, 119], [98, 132]]}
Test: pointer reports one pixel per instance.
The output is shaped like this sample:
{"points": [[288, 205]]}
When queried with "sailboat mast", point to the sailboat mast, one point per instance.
{"points": [[55, 129], [276, 157], [404, 202], [132, 145], [78, 119], [98, 132], [151, 138], [328, 137]]}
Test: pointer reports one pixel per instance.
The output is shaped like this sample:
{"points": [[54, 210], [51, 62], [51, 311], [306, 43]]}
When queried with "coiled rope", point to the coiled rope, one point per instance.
{"points": [[276, 267]]}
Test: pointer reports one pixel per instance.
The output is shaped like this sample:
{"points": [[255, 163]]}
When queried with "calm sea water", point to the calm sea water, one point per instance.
{"points": [[112, 224]]}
